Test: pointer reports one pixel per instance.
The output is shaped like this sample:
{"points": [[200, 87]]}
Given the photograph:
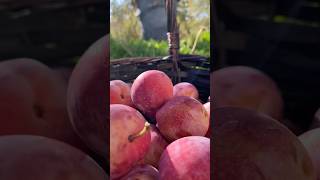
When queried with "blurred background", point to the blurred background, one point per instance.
{"points": [[138, 28], [41, 42], [53, 32], [281, 38]]}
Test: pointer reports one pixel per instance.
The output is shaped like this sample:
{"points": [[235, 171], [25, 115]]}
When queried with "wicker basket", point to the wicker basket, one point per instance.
{"points": [[194, 69]]}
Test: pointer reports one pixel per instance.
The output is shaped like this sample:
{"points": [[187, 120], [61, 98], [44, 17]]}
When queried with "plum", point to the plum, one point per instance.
{"points": [[150, 90], [252, 145], [185, 89], [142, 172], [129, 139], [32, 157], [187, 158], [182, 116]]}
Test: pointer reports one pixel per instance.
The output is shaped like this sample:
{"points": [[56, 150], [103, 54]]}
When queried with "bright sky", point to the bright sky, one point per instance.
{"points": [[121, 1], [117, 1]]}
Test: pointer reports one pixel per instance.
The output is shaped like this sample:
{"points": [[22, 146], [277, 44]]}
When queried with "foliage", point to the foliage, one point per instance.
{"points": [[124, 24], [192, 16], [151, 48]]}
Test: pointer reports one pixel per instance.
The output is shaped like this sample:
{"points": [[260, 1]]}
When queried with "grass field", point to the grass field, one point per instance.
{"points": [[199, 45]]}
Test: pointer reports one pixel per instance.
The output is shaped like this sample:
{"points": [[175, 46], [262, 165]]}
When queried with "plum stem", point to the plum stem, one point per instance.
{"points": [[145, 129]]}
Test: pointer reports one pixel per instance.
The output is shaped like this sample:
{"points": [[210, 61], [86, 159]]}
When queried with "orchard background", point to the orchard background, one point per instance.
{"points": [[138, 28]]}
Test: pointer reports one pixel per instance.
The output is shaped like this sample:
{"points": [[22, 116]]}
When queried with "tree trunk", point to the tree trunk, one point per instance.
{"points": [[153, 18]]}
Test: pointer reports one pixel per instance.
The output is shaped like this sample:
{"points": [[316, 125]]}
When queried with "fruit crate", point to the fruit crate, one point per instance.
{"points": [[281, 38], [55, 32]]}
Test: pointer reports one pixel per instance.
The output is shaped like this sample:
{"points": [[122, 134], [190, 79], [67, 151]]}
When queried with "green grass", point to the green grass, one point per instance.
{"points": [[151, 48], [136, 48], [288, 20]]}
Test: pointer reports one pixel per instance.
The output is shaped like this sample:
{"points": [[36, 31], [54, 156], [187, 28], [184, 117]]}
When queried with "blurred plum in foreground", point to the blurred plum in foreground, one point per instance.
{"points": [[251, 145], [38, 158], [88, 97], [246, 87]]}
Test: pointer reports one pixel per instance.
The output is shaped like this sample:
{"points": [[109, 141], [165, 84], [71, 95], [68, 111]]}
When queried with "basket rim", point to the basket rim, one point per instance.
{"points": [[140, 59], [131, 60]]}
